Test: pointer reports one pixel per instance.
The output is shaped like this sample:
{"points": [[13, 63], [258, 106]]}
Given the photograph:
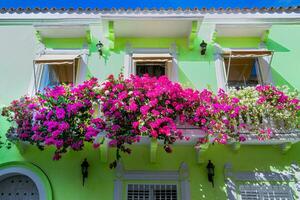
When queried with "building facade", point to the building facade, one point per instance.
{"points": [[200, 48]]}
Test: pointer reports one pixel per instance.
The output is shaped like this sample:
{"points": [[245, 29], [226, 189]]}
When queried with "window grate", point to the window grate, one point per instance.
{"points": [[270, 192], [151, 192]]}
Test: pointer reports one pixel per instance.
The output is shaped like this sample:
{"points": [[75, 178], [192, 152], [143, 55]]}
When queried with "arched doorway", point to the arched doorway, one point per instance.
{"points": [[18, 187]]}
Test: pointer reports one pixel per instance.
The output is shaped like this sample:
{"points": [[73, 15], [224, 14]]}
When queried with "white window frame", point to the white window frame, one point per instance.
{"points": [[81, 70], [264, 64], [181, 177], [129, 65]]}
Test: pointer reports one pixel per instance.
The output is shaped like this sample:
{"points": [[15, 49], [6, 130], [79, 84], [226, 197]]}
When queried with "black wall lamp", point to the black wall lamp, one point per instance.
{"points": [[99, 46], [203, 46], [210, 172], [84, 170]]}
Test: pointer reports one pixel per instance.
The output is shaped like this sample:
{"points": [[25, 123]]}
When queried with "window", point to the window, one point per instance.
{"points": [[151, 68], [154, 62], [155, 65], [53, 70], [245, 68], [146, 190], [242, 72], [151, 192], [53, 75], [266, 192]]}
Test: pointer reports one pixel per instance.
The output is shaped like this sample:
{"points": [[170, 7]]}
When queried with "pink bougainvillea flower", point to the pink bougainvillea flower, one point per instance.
{"points": [[63, 117]]}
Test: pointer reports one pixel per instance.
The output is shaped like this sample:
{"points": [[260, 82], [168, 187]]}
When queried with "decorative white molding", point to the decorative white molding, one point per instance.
{"points": [[174, 70], [95, 14], [219, 66], [128, 61], [181, 176], [12, 171], [118, 182], [184, 181], [251, 140]]}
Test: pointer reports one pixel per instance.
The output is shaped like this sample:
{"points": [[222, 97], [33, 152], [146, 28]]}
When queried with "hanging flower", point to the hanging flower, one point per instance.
{"points": [[145, 106]]}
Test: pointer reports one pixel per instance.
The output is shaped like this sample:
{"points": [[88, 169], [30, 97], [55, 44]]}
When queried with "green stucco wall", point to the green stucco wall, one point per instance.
{"points": [[194, 71], [65, 174], [284, 41]]}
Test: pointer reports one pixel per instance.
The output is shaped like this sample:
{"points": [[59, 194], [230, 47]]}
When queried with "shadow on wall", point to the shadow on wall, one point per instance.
{"points": [[259, 181], [276, 47], [184, 79], [279, 80], [277, 77]]}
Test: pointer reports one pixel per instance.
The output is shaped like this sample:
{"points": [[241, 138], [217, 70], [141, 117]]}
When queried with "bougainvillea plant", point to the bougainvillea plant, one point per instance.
{"points": [[124, 110]]}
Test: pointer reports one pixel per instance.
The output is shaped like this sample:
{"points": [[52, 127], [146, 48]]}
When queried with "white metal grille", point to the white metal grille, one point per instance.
{"points": [[151, 192], [270, 192]]}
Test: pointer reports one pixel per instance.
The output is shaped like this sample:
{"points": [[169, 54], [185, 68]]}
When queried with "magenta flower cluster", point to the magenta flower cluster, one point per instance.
{"points": [[124, 110]]}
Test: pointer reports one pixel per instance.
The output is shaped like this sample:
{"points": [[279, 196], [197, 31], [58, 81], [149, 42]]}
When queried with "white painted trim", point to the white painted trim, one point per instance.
{"points": [[184, 181], [265, 67], [61, 30], [181, 176], [65, 51], [251, 139], [11, 171], [234, 16], [241, 30], [219, 66], [40, 25], [151, 175], [118, 189], [82, 69], [212, 18]]}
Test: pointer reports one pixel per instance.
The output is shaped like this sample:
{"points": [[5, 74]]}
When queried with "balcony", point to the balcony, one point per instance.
{"points": [[150, 110]]}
